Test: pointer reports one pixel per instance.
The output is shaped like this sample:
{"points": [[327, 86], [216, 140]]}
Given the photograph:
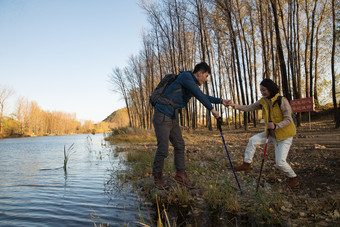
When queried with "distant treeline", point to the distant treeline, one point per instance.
{"points": [[29, 119], [244, 41]]}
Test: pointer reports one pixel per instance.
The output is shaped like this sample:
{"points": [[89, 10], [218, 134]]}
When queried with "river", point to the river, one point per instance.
{"points": [[36, 191]]}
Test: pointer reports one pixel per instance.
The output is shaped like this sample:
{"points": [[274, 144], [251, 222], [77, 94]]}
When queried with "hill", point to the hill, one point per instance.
{"points": [[118, 118]]}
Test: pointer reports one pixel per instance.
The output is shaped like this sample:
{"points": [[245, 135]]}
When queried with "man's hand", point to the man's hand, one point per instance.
{"points": [[227, 102], [233, 105], [215, 113]]}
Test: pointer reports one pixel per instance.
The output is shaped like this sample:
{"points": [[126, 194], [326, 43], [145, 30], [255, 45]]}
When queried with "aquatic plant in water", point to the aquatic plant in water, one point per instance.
{"points": [[67, 155], [89, 144]]}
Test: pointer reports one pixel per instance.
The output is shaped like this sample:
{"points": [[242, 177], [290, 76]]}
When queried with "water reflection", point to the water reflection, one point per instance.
{"points": [[36, 191]]}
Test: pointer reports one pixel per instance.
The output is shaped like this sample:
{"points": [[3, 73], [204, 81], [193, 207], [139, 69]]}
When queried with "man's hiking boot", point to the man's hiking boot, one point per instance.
{"points": [[159, 181], [293, 182], [244, 167], [182, 178]]}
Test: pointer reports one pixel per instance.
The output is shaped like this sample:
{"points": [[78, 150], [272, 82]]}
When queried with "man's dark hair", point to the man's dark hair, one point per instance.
{"points": [[202, 67], [271, 86]]}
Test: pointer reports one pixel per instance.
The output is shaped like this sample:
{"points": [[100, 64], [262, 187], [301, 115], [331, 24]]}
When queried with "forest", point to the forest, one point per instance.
{"points": [[28, 119], [293, 42]]}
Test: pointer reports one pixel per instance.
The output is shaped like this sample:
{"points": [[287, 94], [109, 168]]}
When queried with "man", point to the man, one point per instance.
{"points": [[166, 123]]}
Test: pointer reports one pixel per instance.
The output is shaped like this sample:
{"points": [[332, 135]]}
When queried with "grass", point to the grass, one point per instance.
{"points": [[268, 206], [89, 144], [67, 154], [94, 217], [131, 135], [141, 161], [208, 167], [221, 195]]}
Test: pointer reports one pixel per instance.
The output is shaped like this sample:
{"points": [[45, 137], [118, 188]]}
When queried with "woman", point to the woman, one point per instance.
{"points": [[279, 125]]}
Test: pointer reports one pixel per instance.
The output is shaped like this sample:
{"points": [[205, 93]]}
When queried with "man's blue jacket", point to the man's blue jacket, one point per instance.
{"points": [[188, 83]]}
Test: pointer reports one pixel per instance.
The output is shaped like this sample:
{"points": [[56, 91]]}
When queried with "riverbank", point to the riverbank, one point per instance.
{"points": [[46, 134], [217, 200]]}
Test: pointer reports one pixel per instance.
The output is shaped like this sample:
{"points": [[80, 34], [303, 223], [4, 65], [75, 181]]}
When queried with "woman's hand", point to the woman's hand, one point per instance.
{"points": [[233, 105], [227, 103], [271, 125]]}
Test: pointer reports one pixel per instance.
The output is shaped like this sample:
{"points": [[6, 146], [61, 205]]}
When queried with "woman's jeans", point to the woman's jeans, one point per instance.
{"points": [[167, 129], [281, 151]]}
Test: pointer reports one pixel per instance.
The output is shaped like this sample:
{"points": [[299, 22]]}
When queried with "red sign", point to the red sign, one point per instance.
{"points": [[302, 105]]}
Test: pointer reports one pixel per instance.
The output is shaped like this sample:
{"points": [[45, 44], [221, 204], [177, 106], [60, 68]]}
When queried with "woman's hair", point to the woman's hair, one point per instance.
{"points": [[271, 86]]}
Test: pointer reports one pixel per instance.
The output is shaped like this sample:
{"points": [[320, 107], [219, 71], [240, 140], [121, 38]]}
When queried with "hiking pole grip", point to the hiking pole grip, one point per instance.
{"points": [[268, 130], [219, 123]]}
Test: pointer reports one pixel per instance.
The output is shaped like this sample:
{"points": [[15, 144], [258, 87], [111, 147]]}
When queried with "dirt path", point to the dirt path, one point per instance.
{"points": [[318, 154]]}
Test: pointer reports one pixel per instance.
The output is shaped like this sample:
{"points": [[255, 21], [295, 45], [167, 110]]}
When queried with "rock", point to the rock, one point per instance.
{"points": [[322, 223], [286, 209], [318, 146], [287, 204]]}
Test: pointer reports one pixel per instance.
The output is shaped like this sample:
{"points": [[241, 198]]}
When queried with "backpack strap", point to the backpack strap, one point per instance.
{"points": [[173, 104], [170, 101], [174, 91], [278, 101]]}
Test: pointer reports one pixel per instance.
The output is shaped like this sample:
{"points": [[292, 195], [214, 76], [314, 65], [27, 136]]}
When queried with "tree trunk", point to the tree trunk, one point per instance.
{"points": [[306, 52], [264, 44], [298, 60], [311, 52], [336, 110], [280, 53]]}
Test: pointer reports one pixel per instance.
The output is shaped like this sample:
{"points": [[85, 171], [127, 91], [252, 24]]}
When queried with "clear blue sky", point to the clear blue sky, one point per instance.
{"points": [[59, 53]]}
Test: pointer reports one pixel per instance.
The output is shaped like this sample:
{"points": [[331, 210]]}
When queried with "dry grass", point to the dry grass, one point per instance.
{"points": [[131, 135], [208, 167]]}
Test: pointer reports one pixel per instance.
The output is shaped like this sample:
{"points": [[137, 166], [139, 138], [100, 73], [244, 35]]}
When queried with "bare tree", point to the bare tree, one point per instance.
{"points": [[263, 43], [21, 114], [280, 52], [335, 39], [311, 50], [227, 8], [230, 35], [5, 93], [116, 78], [316, 68]]}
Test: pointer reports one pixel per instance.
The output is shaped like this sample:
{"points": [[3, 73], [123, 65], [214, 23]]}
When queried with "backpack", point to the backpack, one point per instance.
{"points": [[157, 95], [279, 101]]}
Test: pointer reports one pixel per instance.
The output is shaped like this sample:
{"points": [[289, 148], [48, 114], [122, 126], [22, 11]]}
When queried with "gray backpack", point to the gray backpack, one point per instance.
{"points": [[157, 95]]}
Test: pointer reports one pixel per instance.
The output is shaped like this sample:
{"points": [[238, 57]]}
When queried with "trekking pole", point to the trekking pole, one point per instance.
{"points": [[264, 155], [219, 126]]}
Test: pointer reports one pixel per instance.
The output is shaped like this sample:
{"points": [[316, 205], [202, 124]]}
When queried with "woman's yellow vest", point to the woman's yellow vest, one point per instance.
{"points": [[276, 116]]}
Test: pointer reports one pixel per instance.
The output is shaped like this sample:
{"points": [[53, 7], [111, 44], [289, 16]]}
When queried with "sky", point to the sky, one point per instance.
{"points": [[60, 53]]}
